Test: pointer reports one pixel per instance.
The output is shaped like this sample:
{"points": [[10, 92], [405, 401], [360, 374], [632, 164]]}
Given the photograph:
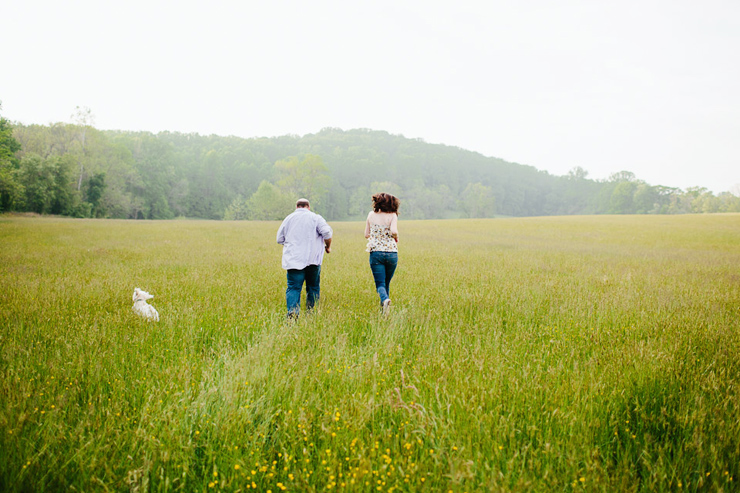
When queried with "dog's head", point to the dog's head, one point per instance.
{"points": [[141, 295]]}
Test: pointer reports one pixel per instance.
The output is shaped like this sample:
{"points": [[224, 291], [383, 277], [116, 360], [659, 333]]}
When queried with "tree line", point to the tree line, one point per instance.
{"points": [[74, 169]]}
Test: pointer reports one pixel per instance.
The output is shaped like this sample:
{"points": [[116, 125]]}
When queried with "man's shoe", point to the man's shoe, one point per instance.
{"points": [[387, 306]]}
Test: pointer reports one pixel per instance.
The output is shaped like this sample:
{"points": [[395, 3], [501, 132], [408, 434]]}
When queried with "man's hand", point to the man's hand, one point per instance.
{"points": [[327, 245]]}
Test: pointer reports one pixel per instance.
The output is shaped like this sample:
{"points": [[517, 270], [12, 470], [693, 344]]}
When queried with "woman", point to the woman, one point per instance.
{"points": [[381, 231]]}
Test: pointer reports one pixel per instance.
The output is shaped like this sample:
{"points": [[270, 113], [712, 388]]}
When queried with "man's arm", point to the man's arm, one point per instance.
{"points": [[325, 232], [281, 234]]}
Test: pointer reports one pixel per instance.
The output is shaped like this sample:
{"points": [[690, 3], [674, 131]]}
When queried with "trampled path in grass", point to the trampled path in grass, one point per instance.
{"points": [[597, 353]]}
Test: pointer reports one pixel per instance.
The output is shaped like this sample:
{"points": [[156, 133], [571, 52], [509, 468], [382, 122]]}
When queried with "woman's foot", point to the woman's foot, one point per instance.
{"points": [[387, 306]]}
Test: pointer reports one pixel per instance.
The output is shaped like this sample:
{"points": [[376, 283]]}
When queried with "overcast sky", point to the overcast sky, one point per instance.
{"points": [[648, 86]]}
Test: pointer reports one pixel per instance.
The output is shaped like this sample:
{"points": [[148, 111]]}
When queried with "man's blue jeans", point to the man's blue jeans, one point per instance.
{"points": [[311, 275], [383, 265]]}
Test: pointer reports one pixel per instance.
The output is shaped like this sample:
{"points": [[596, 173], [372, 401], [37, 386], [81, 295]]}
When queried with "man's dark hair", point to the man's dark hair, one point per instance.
{"points": [[302, 203], [385, 202]]}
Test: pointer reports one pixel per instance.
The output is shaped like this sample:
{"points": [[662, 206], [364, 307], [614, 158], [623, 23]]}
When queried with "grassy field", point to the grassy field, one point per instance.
{"points": [[537, 354]]}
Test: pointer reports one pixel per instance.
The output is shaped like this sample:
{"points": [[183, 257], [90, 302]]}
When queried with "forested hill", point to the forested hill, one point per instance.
{"points": [[81, 171]]}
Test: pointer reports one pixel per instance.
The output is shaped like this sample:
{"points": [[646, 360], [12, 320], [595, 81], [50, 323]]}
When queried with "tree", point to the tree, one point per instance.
{"points": [[237, 211], [173, 174], [477, 200], [155, 178], [11, 190], [577, 173], [304, 177], [622, 200], [360, 202], [705, 202], [645, 199], [730, 202], [269, 203], [679, 202], [385, 187], [120, 172], [95, 190], [421, 202], [84, 118], [664, 197], [622, 176], [47, 185]]}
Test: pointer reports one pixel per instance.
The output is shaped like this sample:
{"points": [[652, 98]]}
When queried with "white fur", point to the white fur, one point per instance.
{"points": [[142, 308]]}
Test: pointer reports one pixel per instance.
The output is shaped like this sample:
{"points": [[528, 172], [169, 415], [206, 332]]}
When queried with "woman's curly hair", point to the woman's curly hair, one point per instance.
{"points": [[385, 202]]}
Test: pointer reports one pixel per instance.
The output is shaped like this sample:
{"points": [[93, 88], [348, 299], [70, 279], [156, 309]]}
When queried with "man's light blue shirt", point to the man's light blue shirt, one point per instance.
{"points": [[302, 235]]}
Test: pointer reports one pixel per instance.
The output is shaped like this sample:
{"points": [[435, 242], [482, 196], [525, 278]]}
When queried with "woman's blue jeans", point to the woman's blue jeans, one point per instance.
{"points": [[311, 275], [383, 265]]}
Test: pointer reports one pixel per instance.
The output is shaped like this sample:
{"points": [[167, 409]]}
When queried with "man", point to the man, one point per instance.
{"points": [[305, 237]]}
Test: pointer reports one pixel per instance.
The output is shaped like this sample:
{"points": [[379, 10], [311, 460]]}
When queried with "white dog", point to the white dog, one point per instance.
{"points": [[142, 308]]}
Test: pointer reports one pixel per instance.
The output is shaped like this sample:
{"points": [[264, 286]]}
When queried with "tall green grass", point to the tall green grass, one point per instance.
{"points": [[539, 354]]}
